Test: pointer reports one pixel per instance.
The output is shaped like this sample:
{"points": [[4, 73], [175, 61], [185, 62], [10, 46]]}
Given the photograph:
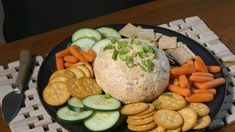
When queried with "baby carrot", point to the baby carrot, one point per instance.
{"points": [[213, 83], [196, 84], [181, 71], [188, 63], [200, 78], [75, 52], [92, 52], [68, 64], [70, 59], [179, 90], [62, 53], [198, 98], [202, 74], [183, 81], [214, 69], [189, 83], [59, 63], [199, 91], [89, 56], [200, 65]]}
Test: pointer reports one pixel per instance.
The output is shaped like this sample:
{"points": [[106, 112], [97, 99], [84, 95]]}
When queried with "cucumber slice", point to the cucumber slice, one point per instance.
{"points": [[99, 46], [86, 32], [65, 115], [107, 32], [76, 105], [101, 120], [84, 43], [100, 102]]}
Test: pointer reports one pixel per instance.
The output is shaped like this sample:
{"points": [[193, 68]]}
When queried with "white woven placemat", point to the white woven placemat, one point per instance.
{"points": [[33, 117]]}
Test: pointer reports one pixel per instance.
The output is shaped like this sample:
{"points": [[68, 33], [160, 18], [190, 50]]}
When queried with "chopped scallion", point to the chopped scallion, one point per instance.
{"points": [[115, 54], [108, 47]]}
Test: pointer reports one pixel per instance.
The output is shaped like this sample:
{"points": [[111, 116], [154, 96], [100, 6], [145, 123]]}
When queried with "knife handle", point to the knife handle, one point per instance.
{"points": [[24, 69]]}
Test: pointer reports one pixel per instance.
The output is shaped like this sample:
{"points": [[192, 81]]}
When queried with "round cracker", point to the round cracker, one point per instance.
{"points": [[149, 110], [158, 129], [84, 69], [89, 85], [134, 108], [136, 117], [73, 89], [145, 127], [88, 66], [175, 130], [63, 72], [60, 78], [78, 72], [190, 118], [140, 121], [83, 87], [56, 93], [200, 108], [168, 119], [202, 122], [170, 101]]}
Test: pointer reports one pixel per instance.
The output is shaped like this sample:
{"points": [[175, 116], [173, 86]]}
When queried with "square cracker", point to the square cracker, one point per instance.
{"points": [[129, 30], [181, 55], [144, 33], [166, 42]]}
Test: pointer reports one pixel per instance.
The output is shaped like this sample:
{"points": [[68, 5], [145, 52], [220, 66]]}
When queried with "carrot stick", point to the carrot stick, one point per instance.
{"points": [[68, 64], [196, 84], [181, 71], [62, 53], [189, 63], [89, 56], [70, 59], [75, 52], [198, 98], [183, 81], [213, 83], [200, 78], [202, 74], [198, 91], [200, 65], [189, 83], [92, 52], [59, 63], [179, 90], [214, 69]]}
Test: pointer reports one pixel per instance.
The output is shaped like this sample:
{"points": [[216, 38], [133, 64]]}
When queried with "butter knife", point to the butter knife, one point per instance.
{"points": [[12, 101]]}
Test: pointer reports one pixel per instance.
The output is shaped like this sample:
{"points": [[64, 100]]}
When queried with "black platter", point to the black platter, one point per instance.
{"points": [[48, 67]]}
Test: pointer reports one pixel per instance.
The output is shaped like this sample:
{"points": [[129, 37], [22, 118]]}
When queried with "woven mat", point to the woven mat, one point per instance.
{"points": [[33, 117]]}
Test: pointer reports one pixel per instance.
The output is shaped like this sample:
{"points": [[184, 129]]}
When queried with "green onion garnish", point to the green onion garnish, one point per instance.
{"points": [[142, 67], [115, 54], [108, 47], [113, 40]]}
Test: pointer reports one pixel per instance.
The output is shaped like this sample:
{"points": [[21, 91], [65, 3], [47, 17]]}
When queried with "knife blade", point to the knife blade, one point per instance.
{"points": [[12, 101]]}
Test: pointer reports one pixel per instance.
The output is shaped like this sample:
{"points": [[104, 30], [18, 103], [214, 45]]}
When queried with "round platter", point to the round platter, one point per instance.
{"points": [[48, 67]]}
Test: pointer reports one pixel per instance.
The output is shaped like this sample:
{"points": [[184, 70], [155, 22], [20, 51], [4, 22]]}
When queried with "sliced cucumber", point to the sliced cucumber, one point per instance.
{"points": [[84, 43], [65, 115], [86, 32], [107, 32], [75, 104], [101, 120], [100, 102], [99, 46]]}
